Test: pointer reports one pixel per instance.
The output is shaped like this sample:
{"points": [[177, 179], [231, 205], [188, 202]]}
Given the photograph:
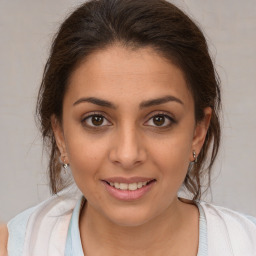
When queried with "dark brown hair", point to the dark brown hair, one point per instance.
{"points": [[97, 24]]}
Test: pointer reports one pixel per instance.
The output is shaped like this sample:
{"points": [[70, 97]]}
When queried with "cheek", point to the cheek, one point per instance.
{"points": [[171, 156], [85, 155]]}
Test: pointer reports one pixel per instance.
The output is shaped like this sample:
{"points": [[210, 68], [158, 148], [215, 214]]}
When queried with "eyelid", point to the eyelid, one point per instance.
{"points": [[166, 115], [160, 112], [91, 114]]}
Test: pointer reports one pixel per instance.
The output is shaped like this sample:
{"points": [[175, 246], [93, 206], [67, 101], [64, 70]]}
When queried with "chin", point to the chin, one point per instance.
{"points": [[130, 216]]}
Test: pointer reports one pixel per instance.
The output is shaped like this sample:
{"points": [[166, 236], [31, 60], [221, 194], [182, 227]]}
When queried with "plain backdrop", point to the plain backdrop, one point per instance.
{"points": [[26, 30]]}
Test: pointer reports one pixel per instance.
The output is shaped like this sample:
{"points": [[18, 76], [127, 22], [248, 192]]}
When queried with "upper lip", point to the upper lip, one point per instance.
{"points": [[127, 180]]}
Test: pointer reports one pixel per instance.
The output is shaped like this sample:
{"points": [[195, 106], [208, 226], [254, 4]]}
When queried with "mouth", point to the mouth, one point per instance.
{"points": [[129, 186], [128, 190]]}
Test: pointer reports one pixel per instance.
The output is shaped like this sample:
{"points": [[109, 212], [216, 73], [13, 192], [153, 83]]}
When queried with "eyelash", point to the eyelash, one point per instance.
{"points": [[160, 114]]}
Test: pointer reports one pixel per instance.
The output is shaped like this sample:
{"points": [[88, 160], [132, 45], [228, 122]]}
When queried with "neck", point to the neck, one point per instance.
{"points": [[150, 238]]}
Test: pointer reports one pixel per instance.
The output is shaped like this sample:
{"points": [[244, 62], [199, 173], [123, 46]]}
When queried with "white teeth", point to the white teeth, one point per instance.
{"points": [[123, 186], [132, 186], [116, 185], [139, 185], [126, 186]]}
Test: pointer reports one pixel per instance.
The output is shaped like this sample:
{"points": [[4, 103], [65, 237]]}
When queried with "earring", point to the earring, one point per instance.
{"points": [[191, 164], [65, 167], [64, 164], [194, 156]]}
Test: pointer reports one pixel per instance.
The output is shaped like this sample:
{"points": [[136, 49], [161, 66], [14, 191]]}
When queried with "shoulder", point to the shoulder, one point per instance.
{"points": [[17, 231], [3, 239], [228, 214], [39, 221], [230, 229]]}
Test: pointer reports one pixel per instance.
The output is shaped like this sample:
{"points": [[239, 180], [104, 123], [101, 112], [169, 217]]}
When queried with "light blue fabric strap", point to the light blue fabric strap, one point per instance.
{"points": [[17, 232], [253, 219], [73, 243], [203, 238]]}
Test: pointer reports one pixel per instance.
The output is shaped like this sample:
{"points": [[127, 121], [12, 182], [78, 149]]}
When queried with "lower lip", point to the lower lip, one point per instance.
{"points": [[128, 195]]}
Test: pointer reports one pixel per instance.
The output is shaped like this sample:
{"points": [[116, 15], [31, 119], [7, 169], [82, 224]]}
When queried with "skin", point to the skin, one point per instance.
{"points": [[130, 142], [3, 239]]}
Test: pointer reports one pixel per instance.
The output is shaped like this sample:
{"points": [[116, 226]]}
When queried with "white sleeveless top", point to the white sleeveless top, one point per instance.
{"points": [[51, 229]]}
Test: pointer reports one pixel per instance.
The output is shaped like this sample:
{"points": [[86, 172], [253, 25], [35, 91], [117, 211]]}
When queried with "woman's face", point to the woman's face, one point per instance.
{"points": [[128, 119]]}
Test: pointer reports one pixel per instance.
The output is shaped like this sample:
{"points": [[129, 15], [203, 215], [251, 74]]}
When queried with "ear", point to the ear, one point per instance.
{"points": [[200, 132], [59, 138]]}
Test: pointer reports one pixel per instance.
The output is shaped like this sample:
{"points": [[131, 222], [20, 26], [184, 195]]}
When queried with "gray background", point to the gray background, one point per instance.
{"points": [[26, 29]]}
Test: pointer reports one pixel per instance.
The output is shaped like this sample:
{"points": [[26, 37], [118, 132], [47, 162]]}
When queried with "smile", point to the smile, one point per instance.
{"points": [[131, 186], [127, 190]]}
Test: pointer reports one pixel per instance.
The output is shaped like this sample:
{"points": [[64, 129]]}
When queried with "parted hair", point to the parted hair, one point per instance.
{"points": [[98, 24]]}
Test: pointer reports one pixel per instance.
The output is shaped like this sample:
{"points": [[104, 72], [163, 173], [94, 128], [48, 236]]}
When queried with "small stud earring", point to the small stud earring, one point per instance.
{"points": [[194, 156], [65, 167], [64, 164], [191, 164]]}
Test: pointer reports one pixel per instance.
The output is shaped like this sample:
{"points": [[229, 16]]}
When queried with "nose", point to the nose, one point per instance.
{"points": [[127, 149]]}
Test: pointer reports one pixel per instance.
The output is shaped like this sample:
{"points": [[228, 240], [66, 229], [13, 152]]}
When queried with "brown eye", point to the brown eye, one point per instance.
{"points": [[159, 120], [95, 120]]}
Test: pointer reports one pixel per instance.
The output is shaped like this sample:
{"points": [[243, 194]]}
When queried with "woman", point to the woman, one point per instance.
{"points": [[129, 104]]}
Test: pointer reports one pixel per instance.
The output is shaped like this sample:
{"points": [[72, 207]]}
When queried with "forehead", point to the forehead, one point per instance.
{"points": [[119, 73]]}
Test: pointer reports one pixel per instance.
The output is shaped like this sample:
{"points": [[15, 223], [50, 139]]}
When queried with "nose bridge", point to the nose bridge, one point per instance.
{"points": [[128, 150]]}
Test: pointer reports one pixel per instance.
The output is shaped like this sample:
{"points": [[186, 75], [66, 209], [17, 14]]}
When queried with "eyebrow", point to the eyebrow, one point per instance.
{"points": [[143, 104]]}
